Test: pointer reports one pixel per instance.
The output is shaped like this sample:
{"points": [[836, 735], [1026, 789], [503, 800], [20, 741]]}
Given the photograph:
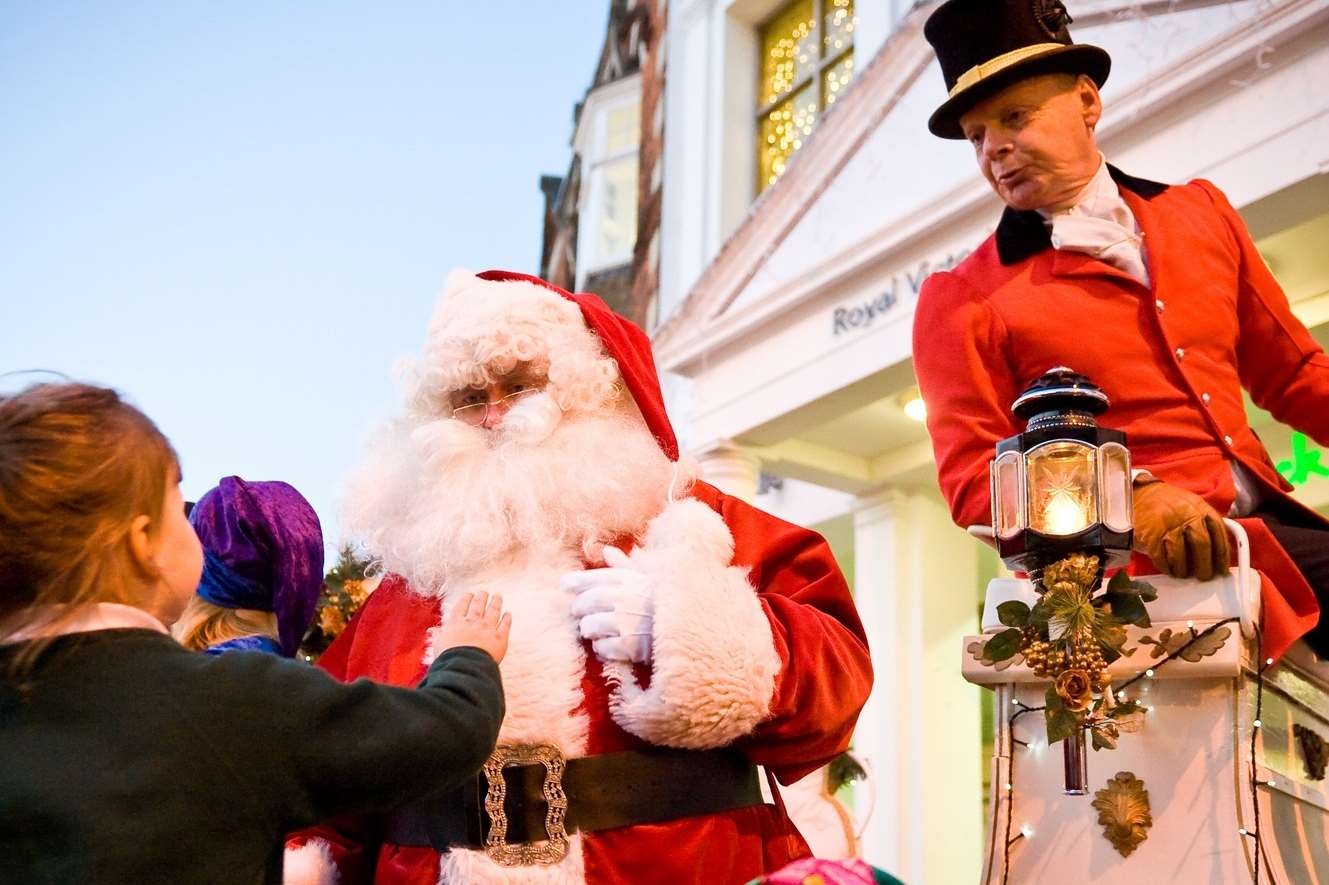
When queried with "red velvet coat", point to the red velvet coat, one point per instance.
{"points": [[821, 683], [1173, 357]]}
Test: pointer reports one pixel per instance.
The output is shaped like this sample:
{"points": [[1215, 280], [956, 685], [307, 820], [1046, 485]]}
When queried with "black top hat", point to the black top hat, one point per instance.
{"points": [[986, 45]]}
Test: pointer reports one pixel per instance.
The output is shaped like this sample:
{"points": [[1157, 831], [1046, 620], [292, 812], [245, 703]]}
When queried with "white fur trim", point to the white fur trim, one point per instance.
{"points": [[545, 661], [715, 663], [542, 673], [475, 868], [310, 864], [483, 328]]}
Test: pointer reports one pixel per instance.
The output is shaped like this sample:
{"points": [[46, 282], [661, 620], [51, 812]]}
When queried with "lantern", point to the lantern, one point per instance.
{"points": [[1063, 485]]}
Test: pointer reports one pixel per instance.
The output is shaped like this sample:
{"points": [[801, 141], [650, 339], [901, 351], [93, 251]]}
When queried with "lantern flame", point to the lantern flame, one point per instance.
{"points": [[1064, 515]]}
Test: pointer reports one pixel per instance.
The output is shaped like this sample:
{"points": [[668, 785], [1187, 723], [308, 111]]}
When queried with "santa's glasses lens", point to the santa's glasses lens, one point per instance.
{"points": [[474, 414]]}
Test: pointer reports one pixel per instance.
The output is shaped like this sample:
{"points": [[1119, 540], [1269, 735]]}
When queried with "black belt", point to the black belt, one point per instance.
{"points": [[521, 808]]}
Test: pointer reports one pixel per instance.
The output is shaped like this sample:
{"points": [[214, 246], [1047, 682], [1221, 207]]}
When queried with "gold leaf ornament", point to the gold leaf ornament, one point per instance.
{"points": [[975, 650], [1170, 642], [1123, 812]]}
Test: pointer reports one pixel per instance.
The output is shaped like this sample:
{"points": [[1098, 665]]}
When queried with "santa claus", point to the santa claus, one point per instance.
{"points": [[668, 643]]}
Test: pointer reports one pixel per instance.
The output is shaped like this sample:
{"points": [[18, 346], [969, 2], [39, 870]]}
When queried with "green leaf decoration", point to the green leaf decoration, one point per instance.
{"points": [[1002, 646], [1013, 614], [1122, 584], [1128, 608], [843, 769], [1111, 635], [1052, 700], [1061, 723], [1040, 614], [1146, 591]]}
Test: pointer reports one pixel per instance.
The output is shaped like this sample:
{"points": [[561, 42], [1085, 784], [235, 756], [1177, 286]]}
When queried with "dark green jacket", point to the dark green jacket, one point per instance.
{"points": [[126, 759]]}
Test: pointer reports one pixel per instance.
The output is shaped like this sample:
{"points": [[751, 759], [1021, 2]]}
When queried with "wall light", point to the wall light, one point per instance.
{"points": [[914, 407]]}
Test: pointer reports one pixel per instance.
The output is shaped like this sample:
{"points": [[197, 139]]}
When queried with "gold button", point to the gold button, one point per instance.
{"points": [[1205, 398], [1228, 440], [1158, 303], [1181, 353]]}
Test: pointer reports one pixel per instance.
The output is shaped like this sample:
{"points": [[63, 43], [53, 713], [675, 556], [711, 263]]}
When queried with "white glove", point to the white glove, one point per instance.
{"points": [[614, 607]]}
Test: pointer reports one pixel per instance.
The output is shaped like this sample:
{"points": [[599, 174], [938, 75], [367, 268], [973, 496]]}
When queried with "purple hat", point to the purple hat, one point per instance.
{"points": [[263, 550]]}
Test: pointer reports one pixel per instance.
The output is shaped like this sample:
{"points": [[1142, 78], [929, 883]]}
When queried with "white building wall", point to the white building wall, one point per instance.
{"points": [[710, 168], [683, 251], [921, 743]]}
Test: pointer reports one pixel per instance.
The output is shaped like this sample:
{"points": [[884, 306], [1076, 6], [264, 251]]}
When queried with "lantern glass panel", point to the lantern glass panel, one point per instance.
{"points": [[1008, 496], [1114, 472], [1062, 487]]}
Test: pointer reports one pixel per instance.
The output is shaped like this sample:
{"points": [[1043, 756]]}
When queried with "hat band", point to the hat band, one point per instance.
{"points": [[223, 586], [992, 66]]}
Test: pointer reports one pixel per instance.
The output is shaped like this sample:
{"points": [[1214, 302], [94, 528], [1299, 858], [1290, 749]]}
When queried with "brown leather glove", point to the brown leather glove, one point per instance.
{"points": [[1179, 531]]}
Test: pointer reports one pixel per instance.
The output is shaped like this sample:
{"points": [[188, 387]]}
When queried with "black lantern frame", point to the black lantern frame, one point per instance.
{"points": [[1063, 485]]}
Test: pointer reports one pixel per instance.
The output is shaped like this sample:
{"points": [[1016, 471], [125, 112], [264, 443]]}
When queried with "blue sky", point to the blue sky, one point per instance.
{"points": [[240, 214]]}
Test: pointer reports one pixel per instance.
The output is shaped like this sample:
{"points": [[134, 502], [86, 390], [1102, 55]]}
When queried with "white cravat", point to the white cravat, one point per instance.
{"points": [[1101, 224]]}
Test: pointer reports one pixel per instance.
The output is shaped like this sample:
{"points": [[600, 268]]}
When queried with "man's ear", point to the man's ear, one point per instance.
{"points": [[1091, 104], [142, 550]]}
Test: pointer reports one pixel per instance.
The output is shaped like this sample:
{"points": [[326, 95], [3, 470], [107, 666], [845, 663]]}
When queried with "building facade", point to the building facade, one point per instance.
{"points": [[602, 217], [804, 203]]}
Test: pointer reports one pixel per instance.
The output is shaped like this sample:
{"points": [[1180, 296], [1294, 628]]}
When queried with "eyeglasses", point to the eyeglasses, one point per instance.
{"points": [[474, 414]]}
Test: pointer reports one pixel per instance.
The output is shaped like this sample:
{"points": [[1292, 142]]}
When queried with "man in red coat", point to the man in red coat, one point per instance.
{"points": [[1156, 292], [666, 640]]}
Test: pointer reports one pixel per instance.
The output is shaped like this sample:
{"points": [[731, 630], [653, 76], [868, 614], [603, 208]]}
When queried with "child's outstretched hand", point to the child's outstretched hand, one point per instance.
{"points": [[477, 621]]}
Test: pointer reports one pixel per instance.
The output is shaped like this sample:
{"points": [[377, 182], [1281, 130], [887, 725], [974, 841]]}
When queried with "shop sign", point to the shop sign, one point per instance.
{"points": [[857, 317], [1304, 463]]}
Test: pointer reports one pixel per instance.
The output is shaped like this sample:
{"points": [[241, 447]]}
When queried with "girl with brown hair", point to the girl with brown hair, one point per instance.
{"points": [[125, 757]]}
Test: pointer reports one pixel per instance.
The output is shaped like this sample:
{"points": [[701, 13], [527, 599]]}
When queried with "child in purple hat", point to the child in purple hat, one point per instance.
{"points": [[262, 569]]}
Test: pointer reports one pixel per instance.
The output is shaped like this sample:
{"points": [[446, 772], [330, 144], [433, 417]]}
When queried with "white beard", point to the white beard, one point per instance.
{"points": [[437, 501]]}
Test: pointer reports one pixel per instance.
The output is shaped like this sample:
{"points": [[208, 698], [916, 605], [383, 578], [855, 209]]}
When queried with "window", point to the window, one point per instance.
{"points": [[608, 138], [618, 209], [618, 205], [807, 59]]}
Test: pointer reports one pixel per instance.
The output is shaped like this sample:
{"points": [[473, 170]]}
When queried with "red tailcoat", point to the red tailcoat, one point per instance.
{"points": [[1173, 357], [820, 678]]}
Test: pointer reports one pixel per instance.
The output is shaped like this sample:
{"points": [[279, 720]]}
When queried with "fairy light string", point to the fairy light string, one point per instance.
{"points": [[1150, 672]]}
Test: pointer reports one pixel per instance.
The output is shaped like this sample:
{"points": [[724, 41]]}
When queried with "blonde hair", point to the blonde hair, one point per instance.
{"points": [[204, 624], [77, 465]]}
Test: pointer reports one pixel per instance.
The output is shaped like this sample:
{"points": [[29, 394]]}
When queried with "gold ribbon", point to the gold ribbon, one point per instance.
{"points": [[992, 66]]}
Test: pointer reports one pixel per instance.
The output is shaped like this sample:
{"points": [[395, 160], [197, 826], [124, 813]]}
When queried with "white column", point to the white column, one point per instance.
{"points": [[730, 468], [915, 577]]}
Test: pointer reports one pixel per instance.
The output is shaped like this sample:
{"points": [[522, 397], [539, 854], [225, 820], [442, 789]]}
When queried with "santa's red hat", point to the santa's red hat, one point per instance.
{"points": [[499, 315]]}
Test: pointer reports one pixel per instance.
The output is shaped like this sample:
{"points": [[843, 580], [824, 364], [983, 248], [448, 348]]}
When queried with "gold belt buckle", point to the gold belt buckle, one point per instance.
{"points": [[549, 851]]}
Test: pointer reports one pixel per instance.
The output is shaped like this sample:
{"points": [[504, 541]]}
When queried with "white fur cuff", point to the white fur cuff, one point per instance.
{"points": [[715, 663], [310, 864]]}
